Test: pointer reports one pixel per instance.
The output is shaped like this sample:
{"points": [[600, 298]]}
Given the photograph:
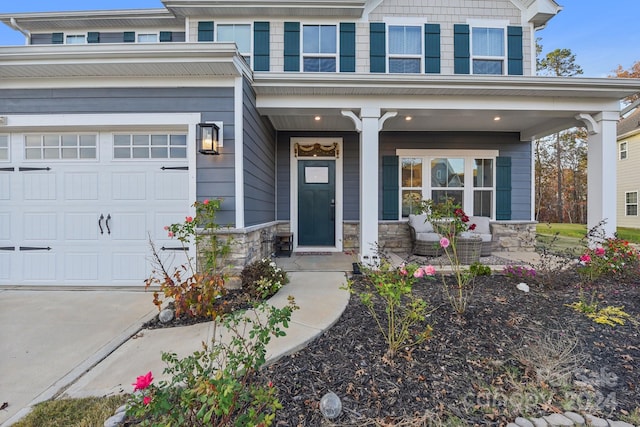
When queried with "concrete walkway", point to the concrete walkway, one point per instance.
{"points": [[80, 343]]}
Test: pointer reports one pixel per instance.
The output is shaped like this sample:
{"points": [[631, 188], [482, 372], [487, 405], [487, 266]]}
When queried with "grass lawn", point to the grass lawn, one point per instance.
{"points": [[575, 232], [87, 412]]}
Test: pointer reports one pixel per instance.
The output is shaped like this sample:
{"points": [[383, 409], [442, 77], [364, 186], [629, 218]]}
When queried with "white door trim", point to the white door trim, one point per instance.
{"points": [[293, 166]]}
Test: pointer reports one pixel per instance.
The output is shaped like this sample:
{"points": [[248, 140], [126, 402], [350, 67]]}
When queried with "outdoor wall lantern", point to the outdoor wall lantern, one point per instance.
{"points": [[208, 138]]}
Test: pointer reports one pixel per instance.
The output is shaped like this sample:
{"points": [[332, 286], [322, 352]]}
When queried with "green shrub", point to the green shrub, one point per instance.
{"points": [[479, 269], [262, 279]]}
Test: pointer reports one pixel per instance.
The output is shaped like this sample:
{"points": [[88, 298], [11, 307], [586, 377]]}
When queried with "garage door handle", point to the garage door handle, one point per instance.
{"points": [[100, 223], [107, 223]]}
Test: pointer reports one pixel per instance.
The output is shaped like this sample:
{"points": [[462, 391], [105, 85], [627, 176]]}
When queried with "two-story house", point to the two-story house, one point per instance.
{"points": [[328, 117], [629, 170]]}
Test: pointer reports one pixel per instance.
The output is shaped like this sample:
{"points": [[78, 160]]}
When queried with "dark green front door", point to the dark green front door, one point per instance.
{"points": [[316, 203]]}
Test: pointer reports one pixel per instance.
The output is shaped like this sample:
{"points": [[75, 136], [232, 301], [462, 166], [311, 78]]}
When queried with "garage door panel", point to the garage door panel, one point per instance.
{"points": [[81, 186], [82, 265], [38, 226], [39, 266], [82, 226], [5, 186], [171, 186], [128, 186], [39, 186], [5, 226], [129, 226], [130, 266], [5, 264]]}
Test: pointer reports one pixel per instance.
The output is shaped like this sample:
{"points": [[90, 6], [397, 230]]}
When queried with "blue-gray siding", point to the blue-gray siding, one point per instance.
{"points": [[215, 174], [259, 163]]}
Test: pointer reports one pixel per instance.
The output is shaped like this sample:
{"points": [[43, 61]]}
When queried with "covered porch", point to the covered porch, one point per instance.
{"points": [[370, 106]]}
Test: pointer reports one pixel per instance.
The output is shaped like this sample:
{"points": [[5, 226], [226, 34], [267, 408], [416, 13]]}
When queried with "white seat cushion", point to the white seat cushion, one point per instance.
{"points": [[482, 224], [420, 223], [428, 237]]}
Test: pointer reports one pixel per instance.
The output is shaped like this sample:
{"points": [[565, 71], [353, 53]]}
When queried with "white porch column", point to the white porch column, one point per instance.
{"points": [[601, 169], [369, 124], [369, 169]]}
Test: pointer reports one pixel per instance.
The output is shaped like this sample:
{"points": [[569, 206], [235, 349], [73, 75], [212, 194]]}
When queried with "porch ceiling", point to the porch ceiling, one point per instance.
{"points": [[531, 106]]}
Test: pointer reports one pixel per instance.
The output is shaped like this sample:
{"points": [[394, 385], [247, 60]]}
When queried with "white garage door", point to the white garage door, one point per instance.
{"points": [[79, 209]]}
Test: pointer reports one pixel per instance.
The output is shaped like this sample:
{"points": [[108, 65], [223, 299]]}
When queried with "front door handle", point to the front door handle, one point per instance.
{"points": [[107, 223], [332, 209], [100, 223]]}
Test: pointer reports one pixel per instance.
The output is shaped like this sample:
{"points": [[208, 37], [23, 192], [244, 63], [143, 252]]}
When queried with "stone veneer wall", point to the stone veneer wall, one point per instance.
{"points": [[508, 236], [254, 243]]}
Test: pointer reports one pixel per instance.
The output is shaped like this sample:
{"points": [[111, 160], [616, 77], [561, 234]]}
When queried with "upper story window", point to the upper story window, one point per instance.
{"points": [[4, 148], [319, 48], [405, 49], [623, 150], [76, 39], [240, 34], [488, 50], [147, 38]]}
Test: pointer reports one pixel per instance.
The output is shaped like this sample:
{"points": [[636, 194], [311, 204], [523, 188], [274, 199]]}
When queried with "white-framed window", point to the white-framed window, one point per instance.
{"points": [[319, 48], [150, 146], [623, 150], [240, 34], [405, 50], [488, 47], [4, 148], [467, 176], [60, 146], [75, 39], [147, 37], [631, 203]]}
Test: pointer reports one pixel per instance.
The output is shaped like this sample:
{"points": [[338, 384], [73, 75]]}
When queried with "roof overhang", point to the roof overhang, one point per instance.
{"points": [[532, 106], [92, 19], [121, 60], [267, 8], [537, 12]]}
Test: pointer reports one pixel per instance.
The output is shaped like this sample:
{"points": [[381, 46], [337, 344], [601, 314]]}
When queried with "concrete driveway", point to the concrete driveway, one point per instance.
{"points": [[50, 337]]}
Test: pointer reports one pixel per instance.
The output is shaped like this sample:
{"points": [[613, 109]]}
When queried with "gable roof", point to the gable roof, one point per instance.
{"points": [[630, 125]]}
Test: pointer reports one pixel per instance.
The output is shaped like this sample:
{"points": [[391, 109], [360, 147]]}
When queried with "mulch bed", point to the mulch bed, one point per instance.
{"points": [[472, 367]]}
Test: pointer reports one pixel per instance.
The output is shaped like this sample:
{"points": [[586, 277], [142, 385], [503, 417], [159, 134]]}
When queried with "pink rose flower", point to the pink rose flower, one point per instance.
{"points": [[206, 202], [418, 273], [403, 271], [444, 242], [143, 381], [585, 258], [146, 400], [166, 227], [429, 270], [189, 219], [599, 251], [170, 234]]}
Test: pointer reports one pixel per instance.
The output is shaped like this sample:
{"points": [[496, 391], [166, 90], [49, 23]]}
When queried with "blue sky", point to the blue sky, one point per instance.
{"points": [[600, 33]]}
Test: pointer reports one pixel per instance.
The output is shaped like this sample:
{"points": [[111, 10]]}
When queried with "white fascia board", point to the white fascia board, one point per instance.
{"points": [[116, 82], [103, 120]]}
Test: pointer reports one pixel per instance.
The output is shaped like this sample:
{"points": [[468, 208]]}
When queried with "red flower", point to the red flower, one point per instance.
{"points": [[143, 381], [472, 227], [189, 219], [146, 400], [206, 202]]}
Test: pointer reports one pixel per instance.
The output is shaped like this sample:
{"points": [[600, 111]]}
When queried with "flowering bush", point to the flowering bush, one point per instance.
{"points": [[614, 257], [220, 385], [262, 279], [519, 272], [194, 291], [447, 217], [405, 313]]}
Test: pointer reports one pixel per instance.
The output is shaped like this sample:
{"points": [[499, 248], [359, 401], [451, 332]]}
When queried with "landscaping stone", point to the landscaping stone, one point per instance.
{"points": [[166, 315], [576, 418], [619, 424], [523, 287], [121, 409], [558, 420], [539, 422], [523, 422], [595, 421], [115, 420], [512, 425]]}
